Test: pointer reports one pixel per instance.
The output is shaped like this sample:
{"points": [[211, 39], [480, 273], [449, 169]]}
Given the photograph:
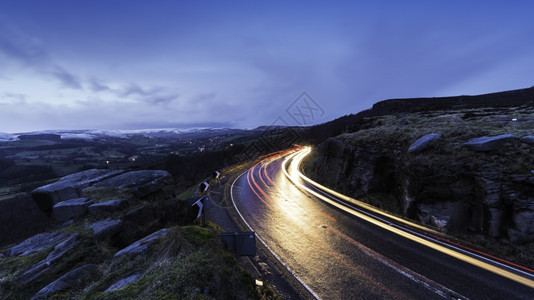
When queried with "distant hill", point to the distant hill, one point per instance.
{"points": [[354, 122], [514, 98]]}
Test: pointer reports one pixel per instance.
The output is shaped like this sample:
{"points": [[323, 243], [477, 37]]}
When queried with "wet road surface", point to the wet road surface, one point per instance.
{"points": [[338, 254]]}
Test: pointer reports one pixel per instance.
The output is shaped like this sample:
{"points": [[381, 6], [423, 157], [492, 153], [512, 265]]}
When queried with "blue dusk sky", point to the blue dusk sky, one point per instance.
{"points": [[117, 64]]}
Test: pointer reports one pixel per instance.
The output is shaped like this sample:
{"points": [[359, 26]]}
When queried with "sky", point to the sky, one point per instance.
{"points": [[113, 64]]}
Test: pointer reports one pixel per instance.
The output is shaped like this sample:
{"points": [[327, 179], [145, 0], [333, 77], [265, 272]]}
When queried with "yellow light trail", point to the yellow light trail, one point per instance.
{"points": [[297, 158]]}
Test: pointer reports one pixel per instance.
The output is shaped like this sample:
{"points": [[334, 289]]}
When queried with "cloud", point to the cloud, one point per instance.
{"points": [[96, 86], [13, 98], [26, 52], [20, 48], [66, 79], [153, 95]]}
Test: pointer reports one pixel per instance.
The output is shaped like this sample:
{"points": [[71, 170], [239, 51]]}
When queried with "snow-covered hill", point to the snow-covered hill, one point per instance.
{"points": [[151, 133]]}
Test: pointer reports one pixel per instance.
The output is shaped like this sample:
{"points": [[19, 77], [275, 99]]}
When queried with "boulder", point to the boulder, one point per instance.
{"points": [[71, 279], [529, 139], [47, 263], [68, 187], [20, 218], [423, 142], [106, 193], [142, 183], [37, 243], [109, 206], [105, 228], [438, 215], [71, 209], [140, 216], [139, 247], [123, 282], [489, 143]]}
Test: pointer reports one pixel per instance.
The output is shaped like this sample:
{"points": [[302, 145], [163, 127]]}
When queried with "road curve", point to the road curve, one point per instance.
{"points": [[340, 248]]}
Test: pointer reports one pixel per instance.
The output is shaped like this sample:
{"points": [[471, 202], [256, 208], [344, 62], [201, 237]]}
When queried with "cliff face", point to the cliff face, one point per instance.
{"points": [[455, 182]]}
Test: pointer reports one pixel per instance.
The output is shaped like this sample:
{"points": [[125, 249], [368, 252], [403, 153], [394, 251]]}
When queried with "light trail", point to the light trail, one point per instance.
{"points": [[253, 190], [437, 245], [304, 285]]}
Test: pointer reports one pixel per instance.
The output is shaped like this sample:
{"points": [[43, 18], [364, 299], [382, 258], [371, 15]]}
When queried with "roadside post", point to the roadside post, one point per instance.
{"points": [[203, 204]]}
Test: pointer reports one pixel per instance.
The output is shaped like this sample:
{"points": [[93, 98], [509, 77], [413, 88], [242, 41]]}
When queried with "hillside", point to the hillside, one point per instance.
{"points": [[479, 189], [362, 120]]}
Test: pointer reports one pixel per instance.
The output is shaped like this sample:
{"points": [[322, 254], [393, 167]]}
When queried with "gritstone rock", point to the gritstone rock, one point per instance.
{"points": [[71, 209], [109, 206], [105, 228], [142, 183], [36, 243], [68, 187], [139, 247], [489, 143], [423, 142], [69, 280], [47, 263], [123, 282]]}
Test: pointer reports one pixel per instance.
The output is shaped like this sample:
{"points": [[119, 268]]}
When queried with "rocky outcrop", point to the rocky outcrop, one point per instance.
{"points": [[142, 183], [423, 142], [37, 243], [111, 224], [20, 218], [109, 206], [140, 216], [59, 250], [71, 209], [489, 143], [334, 162], [139, 247], [69, 280], [106, 228], [123, 282], [523, 220], [68, 187], [528, 139], [437, 215], [447, 186]]}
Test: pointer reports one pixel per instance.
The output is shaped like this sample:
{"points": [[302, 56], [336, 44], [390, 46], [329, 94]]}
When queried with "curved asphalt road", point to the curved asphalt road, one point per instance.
{"points": [[338, 255]]}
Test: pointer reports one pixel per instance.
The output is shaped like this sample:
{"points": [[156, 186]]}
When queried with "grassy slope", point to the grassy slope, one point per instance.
{"points": [[188, 263]]}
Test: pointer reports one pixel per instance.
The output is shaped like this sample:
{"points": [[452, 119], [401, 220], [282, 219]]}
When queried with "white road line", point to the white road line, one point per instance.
{"points": [[265, 245]]}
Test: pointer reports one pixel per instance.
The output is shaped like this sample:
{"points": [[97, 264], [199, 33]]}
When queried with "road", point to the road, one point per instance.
{"points": [[340, 248]]}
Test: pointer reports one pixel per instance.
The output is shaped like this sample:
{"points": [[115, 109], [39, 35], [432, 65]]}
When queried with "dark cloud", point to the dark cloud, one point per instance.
{"points": [[66, 79], [96, 86], [23, 50], [153, 95], [18, 47]]}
